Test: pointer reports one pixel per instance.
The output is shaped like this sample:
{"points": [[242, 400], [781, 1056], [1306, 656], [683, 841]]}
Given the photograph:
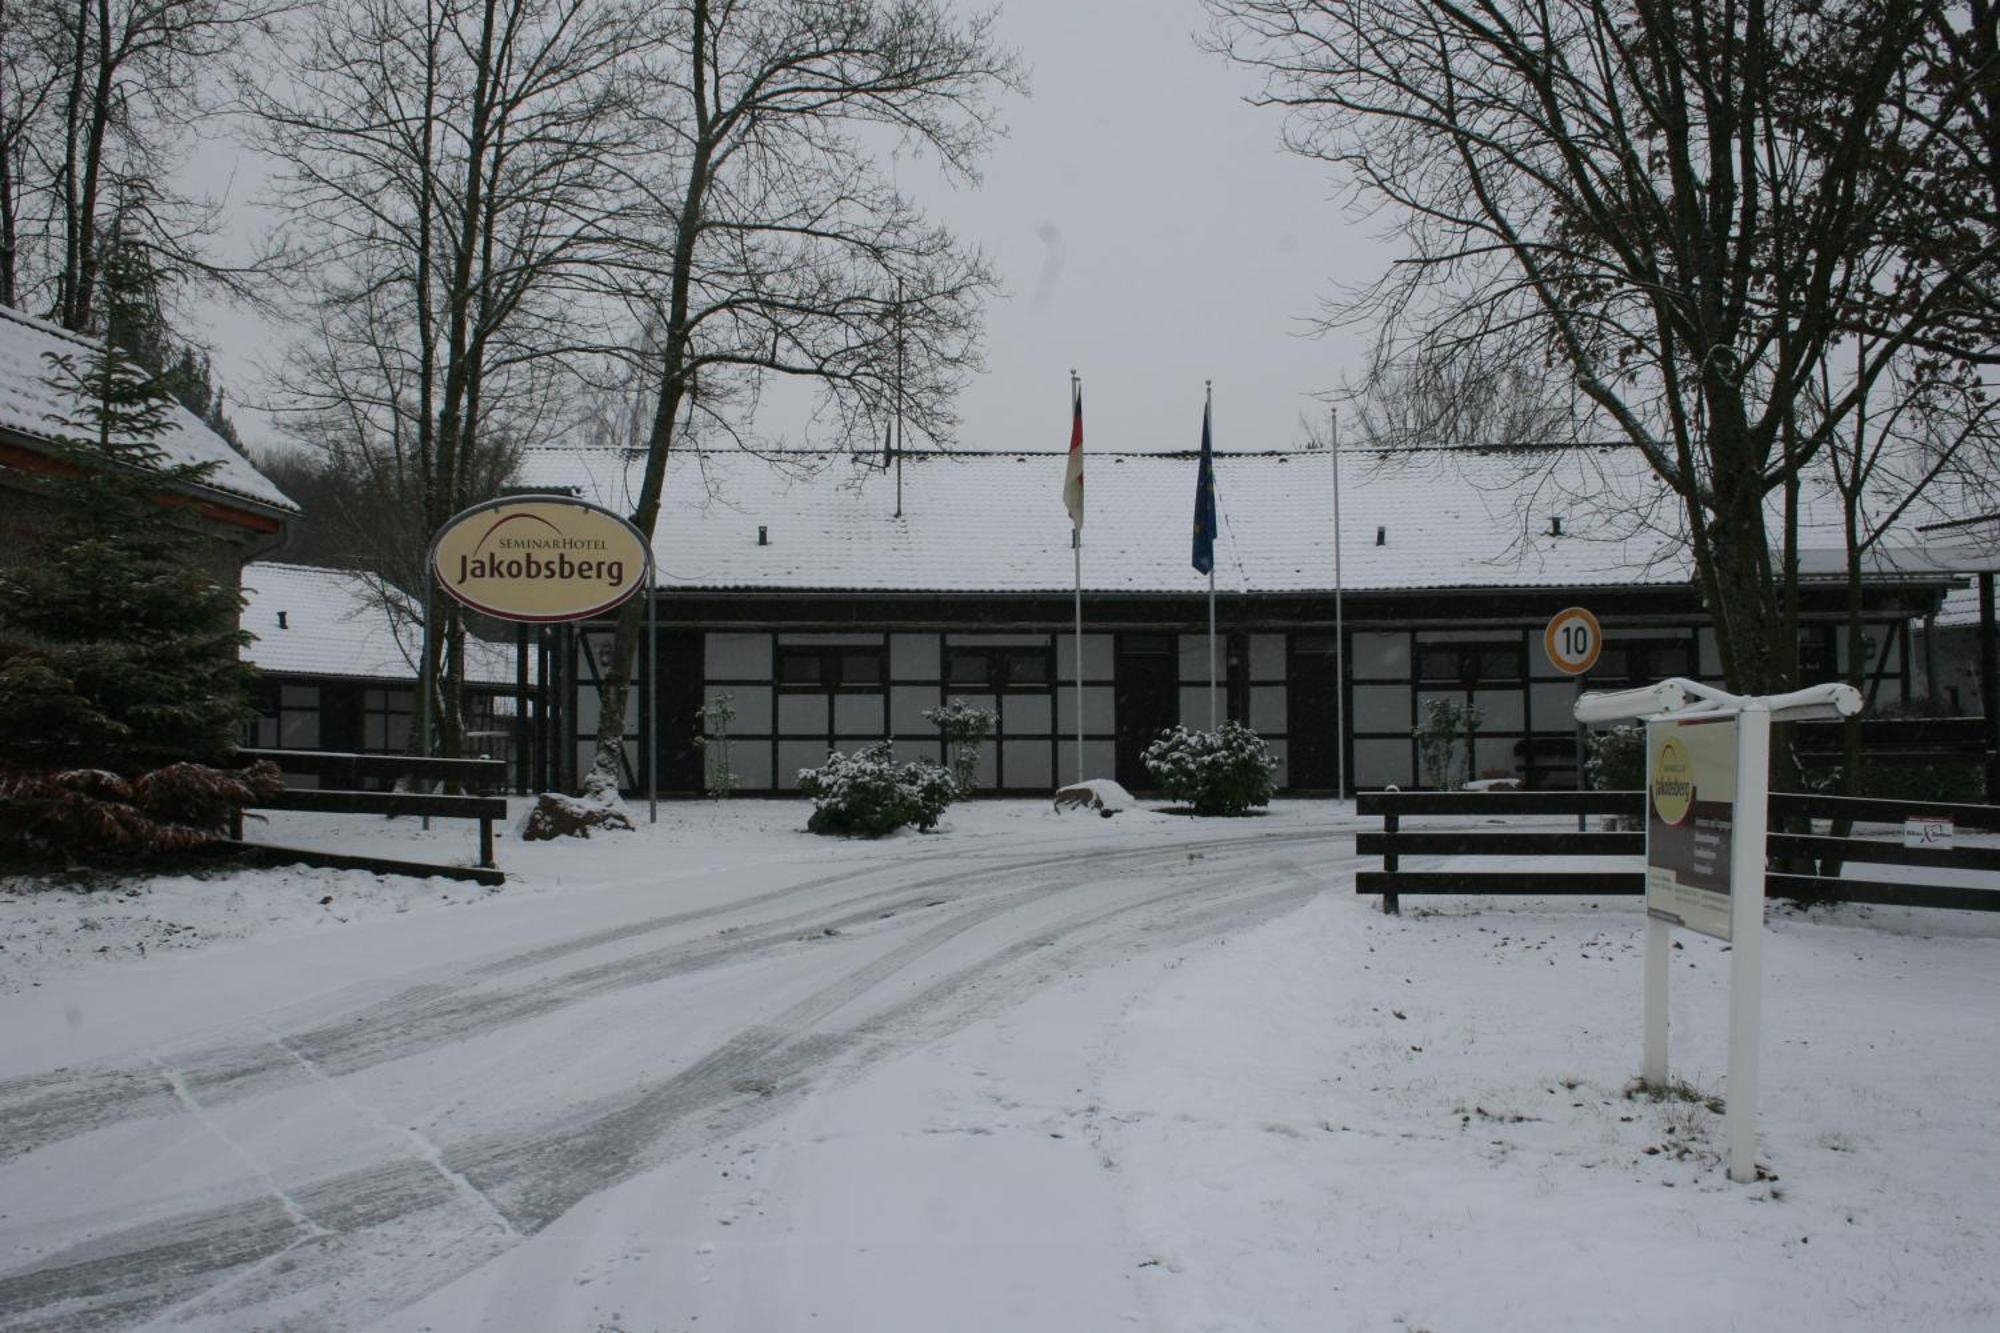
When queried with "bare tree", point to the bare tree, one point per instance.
{"points": [[1462, 401], [1688, 207], [461, 170], [784, 253], [96, 98]]}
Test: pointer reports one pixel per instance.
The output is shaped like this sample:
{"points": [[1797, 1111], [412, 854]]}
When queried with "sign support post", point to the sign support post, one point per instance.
{"points": [[1746, 933], [1572, 641]]}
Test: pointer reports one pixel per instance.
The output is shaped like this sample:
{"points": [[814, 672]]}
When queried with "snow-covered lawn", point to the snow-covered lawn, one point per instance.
{"points": [[1032, 1072]]}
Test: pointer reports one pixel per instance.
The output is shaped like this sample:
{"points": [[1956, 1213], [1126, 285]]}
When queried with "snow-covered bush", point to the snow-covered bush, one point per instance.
{"points": [[1445, 741], [1615, 760], [964, 727], [868, 794], [1220, 772], [711, 737]]}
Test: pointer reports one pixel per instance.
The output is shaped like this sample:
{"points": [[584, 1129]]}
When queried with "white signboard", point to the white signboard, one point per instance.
{"points": [[1690, 822], [540, 559], [1927, 832]]}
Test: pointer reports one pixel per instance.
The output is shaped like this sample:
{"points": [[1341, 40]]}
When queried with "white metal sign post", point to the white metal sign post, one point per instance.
{"points": [[1708, 781], [1573, 640]]}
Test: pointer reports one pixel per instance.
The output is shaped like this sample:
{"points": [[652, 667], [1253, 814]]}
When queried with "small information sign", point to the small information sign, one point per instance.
{"points": [[1690, 819], [1927, 832]]}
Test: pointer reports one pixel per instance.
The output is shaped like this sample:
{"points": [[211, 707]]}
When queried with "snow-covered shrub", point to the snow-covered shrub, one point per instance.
{"points": [[868, 794], [1615, 760], [964, 727], [712, 739], [1220, 772], [1445, 741]]}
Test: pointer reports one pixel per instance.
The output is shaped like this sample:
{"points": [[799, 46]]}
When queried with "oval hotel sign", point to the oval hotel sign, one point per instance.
{"points": [[540, 558]]}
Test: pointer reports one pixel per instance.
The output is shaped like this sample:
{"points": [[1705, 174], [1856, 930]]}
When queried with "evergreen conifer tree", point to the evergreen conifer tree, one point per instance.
{"points": [[117, 649]]}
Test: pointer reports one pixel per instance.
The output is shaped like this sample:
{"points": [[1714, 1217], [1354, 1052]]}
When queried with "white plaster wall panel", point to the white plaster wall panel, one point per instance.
{"points": [[1382, 763], [1194, 657], [795, 755], [736, 656], [1554, 703], [858, 715], [1099, 662], [1501, 708], [802, 712], [1099, 708], [1281, 775], [1380, 655], [1027, 714], [752, 704], [1381, 708], [1194, 705], [1267, 657], [1029, 764], [906, 709], [1267, 708], [1100, 760], [913, 657], [751, 763]]}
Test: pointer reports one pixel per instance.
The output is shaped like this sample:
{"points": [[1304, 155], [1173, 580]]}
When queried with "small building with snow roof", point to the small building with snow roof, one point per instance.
{"points": [[833, 599], [336, 653], [233, 517]]}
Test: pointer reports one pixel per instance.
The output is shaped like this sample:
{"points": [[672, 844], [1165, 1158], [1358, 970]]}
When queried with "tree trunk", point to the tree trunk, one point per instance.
{"points": [[616, 686]]}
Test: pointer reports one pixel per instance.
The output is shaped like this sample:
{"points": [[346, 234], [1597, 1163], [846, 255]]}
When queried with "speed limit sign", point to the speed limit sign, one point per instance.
{"points": [[1573, 641]]}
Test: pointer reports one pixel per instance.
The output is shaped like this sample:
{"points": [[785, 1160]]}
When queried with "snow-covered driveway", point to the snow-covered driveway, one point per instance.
{"points": [[322, 1131], [1036, 1072]]}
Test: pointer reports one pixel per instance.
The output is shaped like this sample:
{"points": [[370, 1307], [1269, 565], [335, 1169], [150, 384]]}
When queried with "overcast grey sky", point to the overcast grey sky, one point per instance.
{"points": [[1152, 235], [1149, 231]]}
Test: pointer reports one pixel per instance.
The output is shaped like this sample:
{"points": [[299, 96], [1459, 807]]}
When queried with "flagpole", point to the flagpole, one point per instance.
{"points": [[1076, 541], [1207, 409], [899, 398], [1339, 637]]}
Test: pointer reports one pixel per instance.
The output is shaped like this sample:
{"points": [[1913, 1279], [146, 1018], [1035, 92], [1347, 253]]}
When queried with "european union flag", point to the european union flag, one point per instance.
{"points": [[1204, 502]]}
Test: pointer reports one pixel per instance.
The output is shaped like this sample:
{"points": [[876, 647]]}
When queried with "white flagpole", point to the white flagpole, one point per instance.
{"points": [[1076, 540], [1208, 420], [1339, 637]]}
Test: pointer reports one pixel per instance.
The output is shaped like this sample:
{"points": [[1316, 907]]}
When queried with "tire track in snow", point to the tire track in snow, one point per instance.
{"points": [[41, 1109], [534, 1174]]}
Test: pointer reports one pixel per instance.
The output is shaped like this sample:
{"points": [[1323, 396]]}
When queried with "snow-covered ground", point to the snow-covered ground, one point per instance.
{"points": [[1029, 1072]]}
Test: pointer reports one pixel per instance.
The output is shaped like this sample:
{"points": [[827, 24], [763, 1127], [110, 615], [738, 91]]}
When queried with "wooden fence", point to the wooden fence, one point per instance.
{"points": [[1808, 864], [333, 766]]}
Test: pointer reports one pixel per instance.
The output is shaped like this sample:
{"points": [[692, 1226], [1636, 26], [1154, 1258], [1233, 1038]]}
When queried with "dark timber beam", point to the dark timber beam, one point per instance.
{"points": [[1989, 686]]}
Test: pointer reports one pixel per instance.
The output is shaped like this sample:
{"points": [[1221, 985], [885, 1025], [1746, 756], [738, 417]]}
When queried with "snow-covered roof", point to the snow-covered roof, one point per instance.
{"points": [[977, 521], [336, 623], [27, 404]]}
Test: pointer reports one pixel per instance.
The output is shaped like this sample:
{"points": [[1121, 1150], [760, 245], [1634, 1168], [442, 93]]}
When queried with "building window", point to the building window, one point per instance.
{"points": [[819, 667], [287, 718], [1644, 661], [385, 720], [1469, 664], [996, 669]]}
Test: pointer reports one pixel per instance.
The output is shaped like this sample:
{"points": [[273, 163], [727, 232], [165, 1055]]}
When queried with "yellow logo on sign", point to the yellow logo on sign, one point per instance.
{"points": [[1673, 782]]}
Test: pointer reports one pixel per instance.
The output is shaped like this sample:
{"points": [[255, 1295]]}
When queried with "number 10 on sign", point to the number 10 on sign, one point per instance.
{"points": [[1573, 641]]}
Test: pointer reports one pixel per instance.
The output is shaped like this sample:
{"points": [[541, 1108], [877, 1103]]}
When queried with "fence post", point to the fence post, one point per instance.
{"points": [[1391, 904]]}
